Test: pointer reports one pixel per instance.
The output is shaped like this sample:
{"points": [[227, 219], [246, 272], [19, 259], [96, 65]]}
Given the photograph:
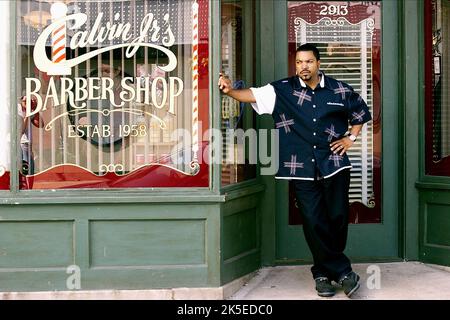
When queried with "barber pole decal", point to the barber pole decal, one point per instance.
{"points": [[59, 11], [195, 146]]}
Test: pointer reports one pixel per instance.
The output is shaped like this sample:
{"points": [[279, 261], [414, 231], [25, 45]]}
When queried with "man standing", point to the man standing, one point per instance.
{"points": [[312, 112]]}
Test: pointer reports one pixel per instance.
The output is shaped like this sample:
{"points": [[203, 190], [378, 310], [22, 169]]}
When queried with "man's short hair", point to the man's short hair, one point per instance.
{"points": [[310, 47]]}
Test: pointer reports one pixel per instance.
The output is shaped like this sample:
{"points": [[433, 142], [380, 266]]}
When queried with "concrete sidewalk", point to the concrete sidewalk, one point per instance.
{"points": [[396, 281]]}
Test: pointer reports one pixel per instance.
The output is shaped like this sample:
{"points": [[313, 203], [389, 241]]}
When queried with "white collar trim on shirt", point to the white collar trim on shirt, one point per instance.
{"points": [[321, 83]]}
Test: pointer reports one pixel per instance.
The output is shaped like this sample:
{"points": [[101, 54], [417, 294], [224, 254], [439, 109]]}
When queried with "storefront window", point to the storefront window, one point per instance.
{"points": [[5, 144], [437, 82], [348, 36], [237, 119], [5, 89], [113, 94]]}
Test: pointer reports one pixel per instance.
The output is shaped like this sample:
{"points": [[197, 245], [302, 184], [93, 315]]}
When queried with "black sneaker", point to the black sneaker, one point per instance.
{"points": [[350, 283], [324, 287]]}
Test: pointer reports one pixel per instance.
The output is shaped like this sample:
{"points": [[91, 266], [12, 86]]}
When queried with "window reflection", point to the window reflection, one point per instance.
{"points": [[113, 120], [237, 118], [437, 16]]}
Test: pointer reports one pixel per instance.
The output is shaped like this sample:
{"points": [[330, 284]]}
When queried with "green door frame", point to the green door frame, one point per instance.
{"points": [[432, 193], [411, 123], [366, 241]]}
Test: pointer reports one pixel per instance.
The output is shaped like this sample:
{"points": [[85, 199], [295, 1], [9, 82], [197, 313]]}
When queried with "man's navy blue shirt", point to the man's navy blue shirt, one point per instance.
{"points": [[309, 120]]}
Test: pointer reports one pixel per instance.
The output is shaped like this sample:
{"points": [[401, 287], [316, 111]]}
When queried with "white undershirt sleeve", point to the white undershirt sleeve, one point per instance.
{"points": [[265, 99]]}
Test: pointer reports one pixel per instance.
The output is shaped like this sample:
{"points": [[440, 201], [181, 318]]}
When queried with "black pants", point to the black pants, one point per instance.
{"points": [[324, 206]]}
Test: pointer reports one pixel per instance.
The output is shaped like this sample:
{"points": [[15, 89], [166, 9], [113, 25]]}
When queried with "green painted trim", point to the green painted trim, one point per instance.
{"points": [[282, 186], [215, 65], [239, 266], [401, 134], [266, 48], [111, 211], [15, 146], [421, 90], [81, 243], [240, 204], [258, 46], [391, 113], [432, 185], [427, 178], [412, 72], [108, 279], [259, 188], [249, 26], [241, 185], [280, 39], [204, 273], [436, 197], [354, 260], [112, 197], [434, 223], [415, 53], [213, 254], [241, 237]]}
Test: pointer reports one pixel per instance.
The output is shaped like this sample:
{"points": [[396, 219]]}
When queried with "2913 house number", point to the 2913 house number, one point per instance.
{"points": [[333, 10]]}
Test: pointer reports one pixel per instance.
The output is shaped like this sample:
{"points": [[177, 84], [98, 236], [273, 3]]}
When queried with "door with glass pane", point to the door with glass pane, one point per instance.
{"points": [[434, 223], [349, 38]]}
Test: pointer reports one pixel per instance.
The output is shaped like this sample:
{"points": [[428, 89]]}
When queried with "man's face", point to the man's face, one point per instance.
{"points": [[306, 65]]}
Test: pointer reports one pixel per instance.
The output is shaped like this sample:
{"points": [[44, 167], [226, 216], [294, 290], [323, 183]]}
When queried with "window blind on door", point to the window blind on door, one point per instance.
{"points": [[346, 55]]}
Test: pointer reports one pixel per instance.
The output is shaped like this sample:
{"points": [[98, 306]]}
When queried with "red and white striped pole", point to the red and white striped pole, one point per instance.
{"points": [[59, 11], [195, 143]]}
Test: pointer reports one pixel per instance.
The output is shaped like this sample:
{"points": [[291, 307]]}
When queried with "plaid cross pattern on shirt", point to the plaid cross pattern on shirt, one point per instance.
{"points": [[341, 90], [293, 164], [336, 158], [302, 96], [332, 133], [358, 116], [284, 123]]}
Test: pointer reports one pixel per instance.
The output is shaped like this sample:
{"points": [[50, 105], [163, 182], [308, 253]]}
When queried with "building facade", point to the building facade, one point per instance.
{"points": [[121, 160]]}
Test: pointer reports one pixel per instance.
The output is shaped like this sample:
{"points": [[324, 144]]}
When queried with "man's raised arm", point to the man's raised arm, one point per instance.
{"points": [[242, 95]]}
